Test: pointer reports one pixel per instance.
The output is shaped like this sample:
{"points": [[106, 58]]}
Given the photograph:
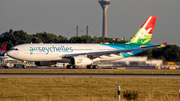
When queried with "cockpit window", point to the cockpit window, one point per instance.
{"points": [[15, 49]]}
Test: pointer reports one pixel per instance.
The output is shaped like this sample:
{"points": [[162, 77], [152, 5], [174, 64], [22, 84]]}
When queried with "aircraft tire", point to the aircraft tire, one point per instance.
{"points": [[95, 66], [88, 66], [71, 67], [75, 67], [24, 66], [6, 67], [68, 67], [91, 66]]}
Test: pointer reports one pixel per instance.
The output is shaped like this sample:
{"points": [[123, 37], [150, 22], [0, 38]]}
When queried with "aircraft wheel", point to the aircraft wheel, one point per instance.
{"points": [[71, 67], [91, 66], [6, 67], [68, 66], [95, 66], [24, 66], [88, 66], [75, 67]]}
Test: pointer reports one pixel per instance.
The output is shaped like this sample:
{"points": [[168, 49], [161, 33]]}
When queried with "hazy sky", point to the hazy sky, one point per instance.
{"points": [[124, 17]]}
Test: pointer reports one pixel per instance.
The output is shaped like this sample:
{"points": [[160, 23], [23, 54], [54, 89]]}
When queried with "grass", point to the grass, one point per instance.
{"points": [[87, 89], [95, 71]]}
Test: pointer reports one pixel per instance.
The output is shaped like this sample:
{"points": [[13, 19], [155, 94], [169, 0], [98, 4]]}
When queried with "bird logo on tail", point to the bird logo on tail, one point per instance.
{"points": [[144, 34]]}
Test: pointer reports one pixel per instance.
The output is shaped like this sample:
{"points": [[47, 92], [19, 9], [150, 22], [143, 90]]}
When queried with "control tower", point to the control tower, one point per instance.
{"points": [[104, 4]]}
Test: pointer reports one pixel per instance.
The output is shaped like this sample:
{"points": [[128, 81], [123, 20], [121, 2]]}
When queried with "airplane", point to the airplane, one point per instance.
{"points": [[2, 52], [85, 54]]}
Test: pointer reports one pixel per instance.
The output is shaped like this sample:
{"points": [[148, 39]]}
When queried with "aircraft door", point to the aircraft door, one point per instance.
{"points": [[27, 50]]}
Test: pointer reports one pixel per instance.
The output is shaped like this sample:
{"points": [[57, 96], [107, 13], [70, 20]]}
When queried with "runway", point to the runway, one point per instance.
{"points": [[83, 75], [83, 68]]}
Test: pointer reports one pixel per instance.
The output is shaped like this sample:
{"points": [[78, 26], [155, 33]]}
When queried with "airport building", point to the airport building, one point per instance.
{"points": [[134, 61]]}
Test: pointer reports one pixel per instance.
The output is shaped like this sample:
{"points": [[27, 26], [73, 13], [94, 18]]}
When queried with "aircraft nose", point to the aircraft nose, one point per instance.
{"points": [[12, 53], [9, 53]]}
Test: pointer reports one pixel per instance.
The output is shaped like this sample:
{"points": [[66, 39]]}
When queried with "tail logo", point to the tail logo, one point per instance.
{"points": [[142, 34]]}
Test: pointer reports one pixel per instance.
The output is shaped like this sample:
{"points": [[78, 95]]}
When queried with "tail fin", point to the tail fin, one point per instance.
{"points": [[144, 34], [2, 50]]}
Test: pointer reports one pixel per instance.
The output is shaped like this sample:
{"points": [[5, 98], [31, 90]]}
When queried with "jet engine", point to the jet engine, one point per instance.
{"points": [[80, 61], [45, 63]]}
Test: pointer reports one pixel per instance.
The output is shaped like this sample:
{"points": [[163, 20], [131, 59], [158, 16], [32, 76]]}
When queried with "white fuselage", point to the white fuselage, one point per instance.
{"points": [[56, 52]]}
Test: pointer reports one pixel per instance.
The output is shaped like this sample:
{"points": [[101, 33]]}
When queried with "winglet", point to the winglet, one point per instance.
{"points": [[162, 45]]}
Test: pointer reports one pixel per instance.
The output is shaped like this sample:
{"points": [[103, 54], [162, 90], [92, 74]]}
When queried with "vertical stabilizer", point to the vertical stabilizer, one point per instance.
{"points": [[144, 34], [2, 50]]}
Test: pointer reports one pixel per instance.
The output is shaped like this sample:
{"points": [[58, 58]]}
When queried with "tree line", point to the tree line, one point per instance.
{"points": [[12, 38]]}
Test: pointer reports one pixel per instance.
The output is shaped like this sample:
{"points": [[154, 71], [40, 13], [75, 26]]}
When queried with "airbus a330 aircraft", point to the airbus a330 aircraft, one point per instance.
{"points": [[86, 54]]}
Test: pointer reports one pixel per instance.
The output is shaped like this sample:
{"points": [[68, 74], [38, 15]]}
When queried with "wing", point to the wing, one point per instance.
{"points": [[93, 55]]}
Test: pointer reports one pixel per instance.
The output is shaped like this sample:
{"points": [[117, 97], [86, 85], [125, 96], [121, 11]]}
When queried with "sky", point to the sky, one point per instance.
{"points": [[124, 17]]}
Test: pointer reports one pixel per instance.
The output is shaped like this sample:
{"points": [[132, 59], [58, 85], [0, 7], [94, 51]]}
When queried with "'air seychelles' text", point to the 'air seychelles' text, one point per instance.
{"points": [[61, 49]]}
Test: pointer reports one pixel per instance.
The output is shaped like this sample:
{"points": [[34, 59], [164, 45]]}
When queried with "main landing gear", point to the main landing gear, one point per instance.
{"points": [[71, 67], [92, 66], [88, 67]]}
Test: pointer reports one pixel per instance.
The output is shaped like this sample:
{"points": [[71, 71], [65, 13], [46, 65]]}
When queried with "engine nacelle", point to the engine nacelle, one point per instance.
{"points": [[80, 61], [45, 63]]}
